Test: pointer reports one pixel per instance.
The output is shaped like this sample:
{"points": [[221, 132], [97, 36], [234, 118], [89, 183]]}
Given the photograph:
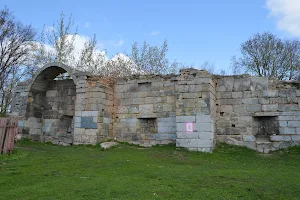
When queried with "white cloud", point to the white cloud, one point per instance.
{"points": [[154, 33], [118, 43], [287, 13], [126, 62], [49, 29], [87, 24], [79, 42], [121, 56]]}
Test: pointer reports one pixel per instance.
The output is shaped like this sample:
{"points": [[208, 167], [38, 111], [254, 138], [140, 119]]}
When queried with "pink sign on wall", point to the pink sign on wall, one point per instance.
{"points": [[189, 127]]}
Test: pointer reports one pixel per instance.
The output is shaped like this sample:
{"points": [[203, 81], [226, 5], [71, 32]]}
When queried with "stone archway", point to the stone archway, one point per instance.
{"points": [[51, 105]]}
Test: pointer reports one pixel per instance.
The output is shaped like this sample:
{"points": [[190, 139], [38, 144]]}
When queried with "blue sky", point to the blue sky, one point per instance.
{"points": [[196, 30]]}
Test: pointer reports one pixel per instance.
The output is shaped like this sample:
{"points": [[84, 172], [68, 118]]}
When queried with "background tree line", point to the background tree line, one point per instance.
{"points": [[23, 51]]}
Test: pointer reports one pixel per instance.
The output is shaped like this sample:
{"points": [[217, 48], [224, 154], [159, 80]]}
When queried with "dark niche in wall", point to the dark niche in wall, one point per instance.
{"points": [[144, 87], [65, 125], [147, 128], [264, 127], [148, 125]]}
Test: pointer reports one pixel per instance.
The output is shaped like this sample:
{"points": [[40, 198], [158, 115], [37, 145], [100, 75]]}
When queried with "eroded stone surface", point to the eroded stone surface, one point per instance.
{"points": [[255, 112], [107, 145]]}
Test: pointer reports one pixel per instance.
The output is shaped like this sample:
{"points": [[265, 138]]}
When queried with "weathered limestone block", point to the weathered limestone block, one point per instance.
{"points": [[200, 81], [287, 130], [171, 99], [182, 88], [257, 94], [119, 88], [254, 108], [296, 137], [223, 124], [287, 93], [264, 101], [91, 132], [289, 118], [180, 127], [200, 88], [204, 127], [242, 84], [278, 100], [248, 138], [203, 119], [297, 93], [51, 93], [236, 95], [231, 139], [270, 93], [250, 145], [79, 131], [225, 84], [240, 109], [247, 94], [283, 123], [288, 107], [280, 138], [183, 119], [146, 109], [224, 95], [270, 108], [248, 101], [259, 83], [89, 113], [161, 99], [198, 103], [184, 135], [294, 124], [191, 103], [194, 143], [166, 129], [107, 145], [229, 101], [226, 108], [133, 109], [164, 136], [99, 95]]}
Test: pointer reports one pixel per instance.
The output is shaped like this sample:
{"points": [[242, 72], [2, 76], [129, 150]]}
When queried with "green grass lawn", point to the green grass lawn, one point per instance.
{"points": [[41, 171]]}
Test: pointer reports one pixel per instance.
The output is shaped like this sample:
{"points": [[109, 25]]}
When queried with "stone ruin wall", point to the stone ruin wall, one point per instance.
{"points": [[54, 121], [58, 112], [93, 111], [154, 109], [258, 113]]}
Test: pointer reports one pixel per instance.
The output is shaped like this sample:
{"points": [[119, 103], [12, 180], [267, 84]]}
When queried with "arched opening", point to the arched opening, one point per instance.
{"points": [[51, 104]]}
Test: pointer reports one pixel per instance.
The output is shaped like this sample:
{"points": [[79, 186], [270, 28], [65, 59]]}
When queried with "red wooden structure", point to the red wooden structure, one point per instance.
{"points": [[8, 132]]}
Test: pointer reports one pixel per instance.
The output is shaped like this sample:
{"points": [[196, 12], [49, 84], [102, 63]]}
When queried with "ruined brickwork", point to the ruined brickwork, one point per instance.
{"points": [[257, 112], [93, 111], [58, 111], [193, 109], [145, 110]]}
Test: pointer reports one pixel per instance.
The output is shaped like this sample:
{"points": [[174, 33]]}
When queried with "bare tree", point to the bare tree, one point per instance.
{"points": [[57, 43], [266, 55], [91, 59], [16, 47], [208, 66], [152, 59], [120, 65]]}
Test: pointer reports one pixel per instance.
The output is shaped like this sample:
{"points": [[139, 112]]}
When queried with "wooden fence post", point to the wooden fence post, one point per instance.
{"points": [[8, 132]]}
